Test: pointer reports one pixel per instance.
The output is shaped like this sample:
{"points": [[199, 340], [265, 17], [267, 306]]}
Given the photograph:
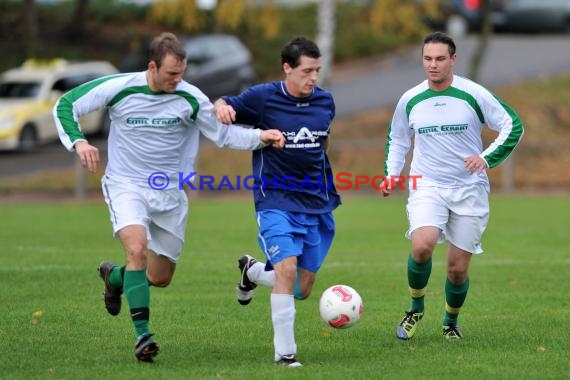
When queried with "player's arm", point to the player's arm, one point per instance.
{"points": [[70, 107], [88, 155], [398, 142], [326, 144], [273, 137], [234, 136], [224, 112], [503, 119], [80, 101], [475, 164], [66, 113]]}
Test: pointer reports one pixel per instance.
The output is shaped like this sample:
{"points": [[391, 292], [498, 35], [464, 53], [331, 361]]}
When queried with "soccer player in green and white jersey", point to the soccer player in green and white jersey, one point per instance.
{"points": [[156, 121], [446, 115]]}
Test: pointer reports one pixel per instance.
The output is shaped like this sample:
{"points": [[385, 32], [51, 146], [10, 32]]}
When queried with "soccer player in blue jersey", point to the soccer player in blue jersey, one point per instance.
{"points": [[156, 122], [295, 193]]}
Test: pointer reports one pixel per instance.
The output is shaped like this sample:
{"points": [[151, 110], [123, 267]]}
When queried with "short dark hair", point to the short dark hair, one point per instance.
{"points": [[442, 38], [163, 45], [297, 47]]}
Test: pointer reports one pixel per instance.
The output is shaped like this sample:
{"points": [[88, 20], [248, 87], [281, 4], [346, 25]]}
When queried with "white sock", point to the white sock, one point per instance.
{"points": [[283, 317], [260, 276]]}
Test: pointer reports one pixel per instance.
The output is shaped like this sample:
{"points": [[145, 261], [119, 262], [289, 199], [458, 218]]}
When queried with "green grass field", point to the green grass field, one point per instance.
{"points": [[53, 324]]}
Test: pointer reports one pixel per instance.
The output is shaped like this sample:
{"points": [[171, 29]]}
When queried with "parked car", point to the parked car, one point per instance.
{"points": [[29, 92], [218, 64], [536, 16], [458, 17]]}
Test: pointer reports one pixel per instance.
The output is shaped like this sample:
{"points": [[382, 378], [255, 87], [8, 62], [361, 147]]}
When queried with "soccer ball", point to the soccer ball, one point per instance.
{"points": [[341, 306]]}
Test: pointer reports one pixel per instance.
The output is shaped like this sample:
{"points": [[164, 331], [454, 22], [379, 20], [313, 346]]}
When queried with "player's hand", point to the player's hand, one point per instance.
{"points": [[475, 164], [224, 112], [386, 187], [88, 154], [273, 137]]}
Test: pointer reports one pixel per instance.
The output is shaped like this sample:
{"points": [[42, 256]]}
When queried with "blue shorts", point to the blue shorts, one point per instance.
{"points": [[284, 234]]}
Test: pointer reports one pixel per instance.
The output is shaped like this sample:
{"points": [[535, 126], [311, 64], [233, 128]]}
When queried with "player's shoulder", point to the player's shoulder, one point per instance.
{"points": [[467, 85], [258, 90], [120, 81], [266, 88], [189, 90], [319, 91], [414, 91], [108, 85], [472, 89], [324, 98]]}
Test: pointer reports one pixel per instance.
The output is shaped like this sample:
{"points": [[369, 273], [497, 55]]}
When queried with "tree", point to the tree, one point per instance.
{"points": [[183, 14], [325, 38], [76, 26], [486, 31], [30, 27]]}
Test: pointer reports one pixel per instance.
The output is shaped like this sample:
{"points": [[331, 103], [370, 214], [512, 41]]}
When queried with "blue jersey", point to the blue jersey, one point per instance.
{"points": [[297, 178]]}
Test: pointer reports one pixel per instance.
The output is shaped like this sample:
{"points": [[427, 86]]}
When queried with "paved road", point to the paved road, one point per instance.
{"points": [[379, 83], [508, 59]]}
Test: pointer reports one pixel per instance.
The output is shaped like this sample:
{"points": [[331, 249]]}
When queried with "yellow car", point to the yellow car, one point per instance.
{"points": [[28, 94]]}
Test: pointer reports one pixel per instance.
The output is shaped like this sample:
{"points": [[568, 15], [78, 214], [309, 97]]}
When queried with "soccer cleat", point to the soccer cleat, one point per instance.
{"points": [[452, 333], [111, 296], [244, 289], [243, 297], [288, 361], [146, 348], [408, 325]]}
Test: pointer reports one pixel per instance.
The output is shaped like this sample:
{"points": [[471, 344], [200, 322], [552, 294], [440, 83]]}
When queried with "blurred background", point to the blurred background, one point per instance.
{"points": [[519, 49]]}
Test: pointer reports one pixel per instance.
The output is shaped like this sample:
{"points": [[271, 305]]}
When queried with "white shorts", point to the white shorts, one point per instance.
{"points": [[460, 213], [163, 213]]}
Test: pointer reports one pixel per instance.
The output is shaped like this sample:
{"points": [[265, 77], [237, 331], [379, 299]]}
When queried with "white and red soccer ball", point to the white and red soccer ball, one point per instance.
{"points": [[341, 306]]}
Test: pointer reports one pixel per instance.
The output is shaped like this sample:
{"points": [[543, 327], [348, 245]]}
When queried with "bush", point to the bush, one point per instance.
{"points": [[363, 28]]}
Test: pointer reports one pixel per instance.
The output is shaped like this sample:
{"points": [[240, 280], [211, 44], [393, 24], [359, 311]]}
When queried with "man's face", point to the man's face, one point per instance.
{"points": [[167, 77], [301, 80], [438, 65]]}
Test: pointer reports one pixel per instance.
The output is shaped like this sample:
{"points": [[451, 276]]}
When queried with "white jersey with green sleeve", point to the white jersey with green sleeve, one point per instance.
{"points": [[150, 132], [447, 127]]}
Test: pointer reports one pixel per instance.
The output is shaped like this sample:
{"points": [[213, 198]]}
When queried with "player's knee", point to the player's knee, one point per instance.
{"points": [[160, 284], [159, 281], [288, 272], [302, 294], [304, 287], [456, 275], [137, 254], [421, 252]]}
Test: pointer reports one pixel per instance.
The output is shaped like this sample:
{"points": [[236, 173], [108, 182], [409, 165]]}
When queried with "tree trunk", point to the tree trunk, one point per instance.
{"points": [[325, 39], [76, 26], [29, 16], [486, 31]]}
